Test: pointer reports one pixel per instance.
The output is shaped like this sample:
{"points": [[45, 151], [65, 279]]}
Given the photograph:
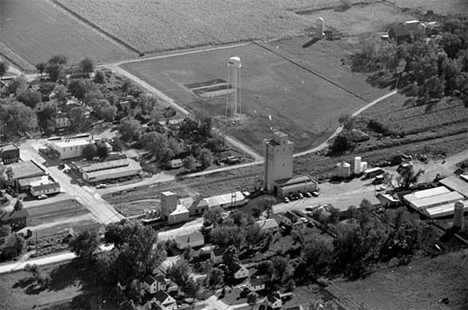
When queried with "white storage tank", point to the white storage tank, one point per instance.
{"points": [[363, 166], [344, 170], [357, 165]]}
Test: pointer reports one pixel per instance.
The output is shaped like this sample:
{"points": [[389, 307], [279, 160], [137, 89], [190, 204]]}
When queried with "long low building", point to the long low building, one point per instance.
{"points": [[102, 171], [456, 184], [444, 210], [26, 169], [430, 198], [294, 186]]}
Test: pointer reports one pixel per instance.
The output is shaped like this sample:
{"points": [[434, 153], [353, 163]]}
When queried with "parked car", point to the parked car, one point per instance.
{"points": [[286, 199], [42, 196], [315, 193], [102, 185], [308, 194], [300, 195]]}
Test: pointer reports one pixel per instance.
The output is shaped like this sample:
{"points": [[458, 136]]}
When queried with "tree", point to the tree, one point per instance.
{"points": [[407, 176], [216, 277], [3, 68], [58, 59], [5, 230], [206, 158], [79, 121], [108, 113], [79, 88], [212, 215], [266, 204], [99, 77], [85, 244], [6, 175], [18, 84], [179, 273], [190, 163], [188, 253], [44, 116], [86, 65], [129, 129], [89, 151], [252, 299], [18, 205], [60, 93], [154, 143], [102, 151], [17, 118], [54, 70], [282, 269], [40, 67], [341, 143], [256, 212], [30, 98]]}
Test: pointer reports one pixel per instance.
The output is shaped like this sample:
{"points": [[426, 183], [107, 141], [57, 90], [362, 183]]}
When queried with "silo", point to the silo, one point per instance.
{"points": [[344, 170], [363, 166], [458, 214], [357, 165]]}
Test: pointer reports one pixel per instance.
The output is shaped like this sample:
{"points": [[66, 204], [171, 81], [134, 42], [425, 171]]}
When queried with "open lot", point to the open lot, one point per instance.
{"points": [[296, 100], [55, 218], [420, 285], [36, 30]]}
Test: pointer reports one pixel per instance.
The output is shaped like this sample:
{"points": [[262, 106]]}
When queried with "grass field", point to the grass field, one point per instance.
{"points": [[300, 103], [36, 30], [13, 296], [420, 285]]}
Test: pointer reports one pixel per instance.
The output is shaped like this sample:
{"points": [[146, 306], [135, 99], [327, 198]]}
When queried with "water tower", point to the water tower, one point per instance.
{"points": [[233, 99]]}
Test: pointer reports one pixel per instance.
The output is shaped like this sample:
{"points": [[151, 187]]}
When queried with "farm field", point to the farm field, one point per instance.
{"points": [[299, 102], [420, 285], [36, 30]]}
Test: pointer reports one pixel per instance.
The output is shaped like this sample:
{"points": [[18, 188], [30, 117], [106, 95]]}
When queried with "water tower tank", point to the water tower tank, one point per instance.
{"points": [[357, 165], [458, 214], [235, 62]]}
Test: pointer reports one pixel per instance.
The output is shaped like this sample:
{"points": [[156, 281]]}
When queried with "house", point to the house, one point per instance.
{"points": [[15, 219], [403, 32], [217, 255], [256, 284], [9, 153], [268, 226], [176, 163], [240, 271], [44, 188], [165, 301], [62, 121], [274, 301], [154, 284], [292, 220], [194, 240]]}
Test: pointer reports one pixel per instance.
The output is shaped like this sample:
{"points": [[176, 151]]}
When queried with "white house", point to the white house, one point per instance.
{"points": [[292, 220], [240, 272], [274, 301], [165, 301], [176, 163], [44, 189], [154, 284], [256, 284], [217, 255], [194, 240]]}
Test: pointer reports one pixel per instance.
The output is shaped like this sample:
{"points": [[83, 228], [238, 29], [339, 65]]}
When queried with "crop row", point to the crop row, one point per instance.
{"points": [[164, 25]]}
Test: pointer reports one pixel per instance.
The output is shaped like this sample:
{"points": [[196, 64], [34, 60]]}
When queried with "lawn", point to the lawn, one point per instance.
{"points": [[36, 30], [66, 286], [420, 285], [299, 102]]}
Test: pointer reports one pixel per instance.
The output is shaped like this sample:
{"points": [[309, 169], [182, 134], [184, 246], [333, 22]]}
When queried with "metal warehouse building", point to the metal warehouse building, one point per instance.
{"points": [[430, 198], [108, 170]]}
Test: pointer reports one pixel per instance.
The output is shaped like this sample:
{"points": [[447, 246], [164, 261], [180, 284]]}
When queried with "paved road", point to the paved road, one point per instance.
{"points": [[87, 196]]}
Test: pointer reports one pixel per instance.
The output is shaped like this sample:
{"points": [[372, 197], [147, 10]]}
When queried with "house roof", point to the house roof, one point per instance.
{"points": [[273, 297], [160, 278], [8, 147], [456, 184], [218, 251], [149, 279], [267, 224], [237, 267], [291, 216], [293, 181], [14, 215], [26, 169], [44, 187], [161, 296], [256, 282]]}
